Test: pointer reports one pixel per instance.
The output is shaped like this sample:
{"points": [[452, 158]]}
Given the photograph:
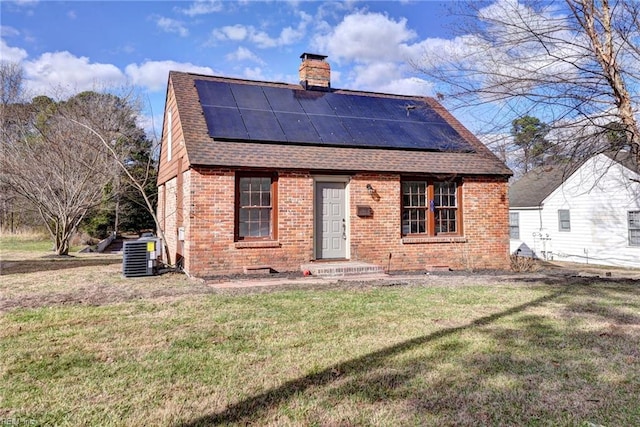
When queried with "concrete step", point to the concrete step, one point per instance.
{"points": [[341, 269], [115, 246]]}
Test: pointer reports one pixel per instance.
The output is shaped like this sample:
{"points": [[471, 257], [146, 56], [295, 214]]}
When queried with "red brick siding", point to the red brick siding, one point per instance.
{"points": [[485, 224], [170, 217], [315, 72], [209, 222]]}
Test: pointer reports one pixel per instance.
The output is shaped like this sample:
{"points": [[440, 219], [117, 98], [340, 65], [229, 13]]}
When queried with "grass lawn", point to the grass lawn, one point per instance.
{"points": [[171, 351]]}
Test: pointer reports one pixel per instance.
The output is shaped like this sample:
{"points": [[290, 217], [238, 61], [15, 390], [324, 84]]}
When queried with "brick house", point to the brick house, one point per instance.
{"points": [[277, 175]]}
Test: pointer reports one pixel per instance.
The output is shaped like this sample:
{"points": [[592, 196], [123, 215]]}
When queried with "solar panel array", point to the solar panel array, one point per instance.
{"points": [[243, 112]]}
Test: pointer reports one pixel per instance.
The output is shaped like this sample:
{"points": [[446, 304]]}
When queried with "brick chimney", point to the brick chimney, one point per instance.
{"points": [[315, 72]]}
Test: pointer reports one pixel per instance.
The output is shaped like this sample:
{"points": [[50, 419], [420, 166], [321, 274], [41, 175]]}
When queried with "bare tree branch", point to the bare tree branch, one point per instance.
{"points": [[575, 67]]}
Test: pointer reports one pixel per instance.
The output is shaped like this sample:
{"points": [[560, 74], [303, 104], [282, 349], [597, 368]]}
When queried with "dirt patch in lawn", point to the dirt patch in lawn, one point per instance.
{"points": [[31, 281]]}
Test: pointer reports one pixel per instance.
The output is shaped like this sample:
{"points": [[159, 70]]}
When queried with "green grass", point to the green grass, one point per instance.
{"points": [[27, 243], [510, 354], [81, 345]]}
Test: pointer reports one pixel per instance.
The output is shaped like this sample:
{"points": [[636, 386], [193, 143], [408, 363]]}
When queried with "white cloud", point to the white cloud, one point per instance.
{"points": [[62, 71], [232, 32], [6, 31], [254, 73], [288, 35], [366, 37], [388, 77], [373, 74], [407, 86], [60, 74], [153, 74], [11, 54], [243, 54], [203, 7], [170, 25], [378, 49], [26, 2]]}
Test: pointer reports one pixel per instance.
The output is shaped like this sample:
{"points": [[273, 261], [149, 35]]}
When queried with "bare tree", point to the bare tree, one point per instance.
{"points": [[12, 113], [57, 167], [11, 77], [574, 65], [138, 182], [111, 122], [60, 156]]}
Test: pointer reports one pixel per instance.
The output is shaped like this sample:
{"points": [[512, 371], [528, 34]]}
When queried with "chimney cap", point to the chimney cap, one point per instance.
{"points": [[307, 55]]}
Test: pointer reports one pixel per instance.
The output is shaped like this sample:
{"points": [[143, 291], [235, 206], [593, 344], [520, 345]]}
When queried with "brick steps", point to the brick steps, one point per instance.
{"points": [[341, 269]]}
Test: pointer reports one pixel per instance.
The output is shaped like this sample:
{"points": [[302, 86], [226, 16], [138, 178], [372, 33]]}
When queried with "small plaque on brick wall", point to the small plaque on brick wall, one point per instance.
{"points": [[363, 210]]}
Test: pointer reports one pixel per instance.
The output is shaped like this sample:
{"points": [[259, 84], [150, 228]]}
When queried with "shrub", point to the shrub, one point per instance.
{"points": [[522, 264]]}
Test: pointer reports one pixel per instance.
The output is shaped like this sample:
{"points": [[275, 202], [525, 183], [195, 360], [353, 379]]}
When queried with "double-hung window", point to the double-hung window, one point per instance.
{"points": [[634, 228], [564, 220], [514, 225], [256, 207], [431, 208]]}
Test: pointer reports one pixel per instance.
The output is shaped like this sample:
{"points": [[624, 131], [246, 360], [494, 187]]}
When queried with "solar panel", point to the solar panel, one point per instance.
{"points": [[362, 129], [369, 106], [249, 96], [262, 125], [215, 94], [331, 130], [297, 127], [238, 111], [314, 102], [343, 106], [282, 100], [224, 121]]}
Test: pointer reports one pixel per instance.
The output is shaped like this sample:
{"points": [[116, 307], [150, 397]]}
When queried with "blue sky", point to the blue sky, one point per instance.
{"points": [[67, 47]]}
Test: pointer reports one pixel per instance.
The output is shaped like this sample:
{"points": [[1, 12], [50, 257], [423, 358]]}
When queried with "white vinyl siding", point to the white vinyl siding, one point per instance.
{"points": [[514, 225], [564, 220], [634, 228], [598, 197]]}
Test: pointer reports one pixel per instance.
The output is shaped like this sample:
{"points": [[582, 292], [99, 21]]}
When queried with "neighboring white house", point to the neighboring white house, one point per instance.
{"points": [[589, 214]]}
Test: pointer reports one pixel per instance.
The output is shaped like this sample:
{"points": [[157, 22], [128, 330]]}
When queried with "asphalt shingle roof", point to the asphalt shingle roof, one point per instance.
{"points": [[535, 186], [204, 150]]}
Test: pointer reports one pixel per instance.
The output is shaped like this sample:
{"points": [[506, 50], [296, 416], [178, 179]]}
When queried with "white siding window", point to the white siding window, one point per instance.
{"points": [[514, 225], [564, 220], [634, 228]]}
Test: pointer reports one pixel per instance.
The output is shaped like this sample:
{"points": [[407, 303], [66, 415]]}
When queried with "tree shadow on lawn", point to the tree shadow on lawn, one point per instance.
{"points": [[53, 263], [494, 387]]}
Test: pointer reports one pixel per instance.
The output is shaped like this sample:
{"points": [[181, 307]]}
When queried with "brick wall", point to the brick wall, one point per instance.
{"points": [[378, 238], [209, 222], [315, 71], [170, 216]]}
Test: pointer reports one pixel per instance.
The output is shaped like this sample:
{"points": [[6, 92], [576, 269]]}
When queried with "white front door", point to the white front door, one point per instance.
{"points": [[331, 225]]}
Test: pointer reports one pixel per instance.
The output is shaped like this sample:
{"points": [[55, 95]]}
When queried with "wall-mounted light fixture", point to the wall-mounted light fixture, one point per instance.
{"points": [[373, 193]]}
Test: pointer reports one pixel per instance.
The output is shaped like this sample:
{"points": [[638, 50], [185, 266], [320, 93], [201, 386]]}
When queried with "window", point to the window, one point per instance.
{"points": [[514, 225], [564, 220], [255, 201], [634, 228], [430, 208]]}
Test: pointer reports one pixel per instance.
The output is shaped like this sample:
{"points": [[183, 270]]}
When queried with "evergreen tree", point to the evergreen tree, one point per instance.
{"points": [[529, 134]]}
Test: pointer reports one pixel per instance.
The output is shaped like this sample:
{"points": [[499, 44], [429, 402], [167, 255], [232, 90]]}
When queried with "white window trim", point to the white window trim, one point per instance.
{"points": [[346, 179], [629, 228], [169, 136]]}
